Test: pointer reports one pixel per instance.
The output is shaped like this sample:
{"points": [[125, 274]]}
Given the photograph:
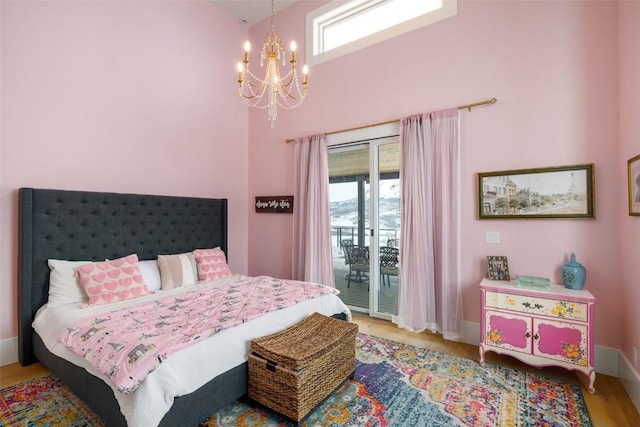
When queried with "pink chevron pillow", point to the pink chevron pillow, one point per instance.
{"points": [[115, 280], [212, 264]]}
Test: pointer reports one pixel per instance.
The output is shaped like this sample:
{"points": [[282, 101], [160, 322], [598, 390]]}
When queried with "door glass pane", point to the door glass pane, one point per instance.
{"points": [[388, 232], [349, 198]]}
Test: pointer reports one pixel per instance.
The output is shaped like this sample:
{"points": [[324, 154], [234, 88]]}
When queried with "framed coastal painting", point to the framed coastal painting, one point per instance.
{"points": [[552, 192], [498, 268], [633, 171]]}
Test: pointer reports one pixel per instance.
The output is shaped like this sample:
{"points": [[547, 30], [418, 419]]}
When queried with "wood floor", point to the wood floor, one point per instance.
{"points": [[609, 406], [356, 294]]}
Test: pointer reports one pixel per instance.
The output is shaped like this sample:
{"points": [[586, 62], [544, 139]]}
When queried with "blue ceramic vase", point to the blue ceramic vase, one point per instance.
{"points": [[573, 274]]}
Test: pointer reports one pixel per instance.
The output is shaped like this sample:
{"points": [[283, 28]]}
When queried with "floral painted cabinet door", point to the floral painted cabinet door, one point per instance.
{"points": [[562, 341], [540, 328], [508, 331]]}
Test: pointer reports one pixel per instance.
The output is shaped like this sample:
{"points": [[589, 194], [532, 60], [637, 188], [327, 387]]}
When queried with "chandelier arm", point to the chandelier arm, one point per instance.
{"points": [[289, 96], [300, 93], [290, 75], [254, 82], [286, 91], [247, 96], [293, 83], [250, 93], [253, 85]]}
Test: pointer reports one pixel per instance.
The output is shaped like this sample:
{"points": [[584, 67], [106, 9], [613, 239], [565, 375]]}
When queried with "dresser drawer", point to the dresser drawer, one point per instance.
{"points": [[536, 305]]}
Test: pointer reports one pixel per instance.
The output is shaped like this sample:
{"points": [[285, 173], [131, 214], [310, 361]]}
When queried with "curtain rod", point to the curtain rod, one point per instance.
{"points": [[460, 107]]}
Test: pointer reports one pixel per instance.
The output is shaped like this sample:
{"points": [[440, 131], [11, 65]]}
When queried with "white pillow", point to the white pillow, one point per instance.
{"points": [[151, 274], [64, 283]]}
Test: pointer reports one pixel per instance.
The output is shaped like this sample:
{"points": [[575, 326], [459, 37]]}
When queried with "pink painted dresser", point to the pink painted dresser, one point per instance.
{"points": [[540, 328]]}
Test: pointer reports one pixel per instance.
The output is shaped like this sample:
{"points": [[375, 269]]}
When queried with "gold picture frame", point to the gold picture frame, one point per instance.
{"points": [[553, 192], [498, 268], [633, 172]]}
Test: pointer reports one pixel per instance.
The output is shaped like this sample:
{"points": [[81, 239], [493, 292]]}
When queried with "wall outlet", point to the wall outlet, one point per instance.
{"points": [[492, 236], [635, 357]]}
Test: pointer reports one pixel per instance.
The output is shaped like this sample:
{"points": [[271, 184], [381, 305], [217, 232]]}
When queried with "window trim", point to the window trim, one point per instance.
{"points": [[312, 30], [364, 134]]}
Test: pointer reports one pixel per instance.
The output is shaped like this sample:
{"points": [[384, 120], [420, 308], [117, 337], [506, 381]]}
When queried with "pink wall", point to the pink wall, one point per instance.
{"points": [[553, 68], [629, 227], [134, 97]]}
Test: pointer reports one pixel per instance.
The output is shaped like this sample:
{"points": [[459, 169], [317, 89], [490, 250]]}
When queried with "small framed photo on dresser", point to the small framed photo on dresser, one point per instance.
{"points": [[633, 171], [498, 268]]}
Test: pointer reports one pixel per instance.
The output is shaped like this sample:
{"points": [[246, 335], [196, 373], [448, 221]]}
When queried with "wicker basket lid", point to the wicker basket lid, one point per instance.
{"points": [[297, 346]]}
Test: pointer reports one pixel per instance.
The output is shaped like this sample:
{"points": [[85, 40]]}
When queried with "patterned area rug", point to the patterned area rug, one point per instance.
{"points": [[45, 402], [395, 385]]}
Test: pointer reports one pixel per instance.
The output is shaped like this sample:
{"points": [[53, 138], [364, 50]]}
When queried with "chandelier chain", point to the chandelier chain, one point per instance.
{"points": [[273, 16]]}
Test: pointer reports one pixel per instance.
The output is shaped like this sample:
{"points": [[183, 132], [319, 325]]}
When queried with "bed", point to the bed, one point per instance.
{"points": [[94, 226]]}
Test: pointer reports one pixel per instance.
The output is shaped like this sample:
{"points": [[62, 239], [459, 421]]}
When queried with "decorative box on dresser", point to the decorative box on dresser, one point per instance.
{"points": [[539, 327]]}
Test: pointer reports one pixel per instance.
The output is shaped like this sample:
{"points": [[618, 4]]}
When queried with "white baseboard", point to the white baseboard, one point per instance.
{"points": [[630, 379], [471, 331], [607, 360], [8, 351]]}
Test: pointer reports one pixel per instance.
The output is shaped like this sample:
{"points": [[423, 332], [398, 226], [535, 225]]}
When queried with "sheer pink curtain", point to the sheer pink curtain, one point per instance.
{"points": [[430, 295], [312, 254]]}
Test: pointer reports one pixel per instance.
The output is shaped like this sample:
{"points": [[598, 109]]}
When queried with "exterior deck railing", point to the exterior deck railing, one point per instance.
{"points": [[341, 232]]}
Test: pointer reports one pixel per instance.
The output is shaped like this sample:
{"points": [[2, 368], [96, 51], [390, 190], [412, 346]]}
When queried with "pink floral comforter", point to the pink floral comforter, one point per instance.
{"points": [[126, 345]]}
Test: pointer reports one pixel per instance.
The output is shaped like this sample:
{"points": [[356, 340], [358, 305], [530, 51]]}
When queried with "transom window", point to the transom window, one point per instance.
{"points": [[340, 27]]}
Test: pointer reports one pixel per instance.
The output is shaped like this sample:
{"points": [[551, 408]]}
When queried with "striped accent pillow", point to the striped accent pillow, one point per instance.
{"points": [[177, 270]]}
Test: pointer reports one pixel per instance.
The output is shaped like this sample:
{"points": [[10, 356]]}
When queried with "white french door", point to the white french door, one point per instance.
{"points": [[365, 213], [385, 226]]}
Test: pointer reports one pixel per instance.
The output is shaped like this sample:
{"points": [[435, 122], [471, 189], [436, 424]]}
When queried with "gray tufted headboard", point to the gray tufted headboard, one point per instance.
{"points": [[82, 225]]}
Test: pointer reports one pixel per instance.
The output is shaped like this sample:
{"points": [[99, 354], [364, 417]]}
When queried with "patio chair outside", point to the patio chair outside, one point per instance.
{"points": [[389, 263], [358, 264]]}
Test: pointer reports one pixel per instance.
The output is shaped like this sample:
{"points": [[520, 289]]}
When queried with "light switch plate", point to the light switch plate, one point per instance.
{"points": [[493, 237]]}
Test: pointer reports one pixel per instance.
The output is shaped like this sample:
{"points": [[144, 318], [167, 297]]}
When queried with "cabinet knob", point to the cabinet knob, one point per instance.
{"points": [[536, 336], [528, 335]]}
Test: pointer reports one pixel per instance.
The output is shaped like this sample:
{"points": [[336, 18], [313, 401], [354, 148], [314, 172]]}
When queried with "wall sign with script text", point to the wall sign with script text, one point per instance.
{"points": [[277, 204]]}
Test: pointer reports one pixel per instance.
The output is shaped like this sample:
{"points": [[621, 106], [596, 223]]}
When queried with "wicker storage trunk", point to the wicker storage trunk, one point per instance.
{"points": [[293, 371]]}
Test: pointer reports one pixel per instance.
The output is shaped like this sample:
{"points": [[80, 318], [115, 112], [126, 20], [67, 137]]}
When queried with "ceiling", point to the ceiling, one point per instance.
{"points": [[356, 162], [250, 12]]}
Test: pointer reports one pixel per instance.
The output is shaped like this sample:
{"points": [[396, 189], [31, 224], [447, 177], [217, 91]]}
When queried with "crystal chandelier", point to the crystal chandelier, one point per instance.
{"points": [[274, 89]]}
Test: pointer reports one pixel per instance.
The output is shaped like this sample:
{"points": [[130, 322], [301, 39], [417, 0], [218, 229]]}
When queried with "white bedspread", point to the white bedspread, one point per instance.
{"points": [[176, 376]]}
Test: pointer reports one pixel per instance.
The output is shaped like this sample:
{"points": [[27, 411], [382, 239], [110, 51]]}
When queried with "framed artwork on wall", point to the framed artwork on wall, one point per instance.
{"points": [[498, 268], [633, 171], [552, 192]]}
